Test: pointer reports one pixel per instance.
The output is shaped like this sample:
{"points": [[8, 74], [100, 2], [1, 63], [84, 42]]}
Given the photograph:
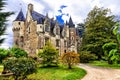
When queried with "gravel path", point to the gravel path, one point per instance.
{"points": [[97, 73]]}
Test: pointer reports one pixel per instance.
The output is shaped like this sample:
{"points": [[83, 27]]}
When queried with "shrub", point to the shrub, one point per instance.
{"points": [[49, 55], [109, 46], [86, 56], [3, 54], [114, 56], [20, 67], [70, 58], [17, 52]]}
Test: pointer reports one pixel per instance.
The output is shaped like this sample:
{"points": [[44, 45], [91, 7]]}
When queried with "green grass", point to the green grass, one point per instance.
{"points": [[104, 64], [55, 73], [58, 73], [1, 68]]}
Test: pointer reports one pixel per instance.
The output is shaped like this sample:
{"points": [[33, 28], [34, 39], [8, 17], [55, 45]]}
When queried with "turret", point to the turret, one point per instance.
{"points": [[72, 35], [29, 12], [18, 28]]}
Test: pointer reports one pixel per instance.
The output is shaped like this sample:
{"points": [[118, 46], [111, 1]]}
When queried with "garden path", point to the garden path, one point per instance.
{"points": [[98, 73]]}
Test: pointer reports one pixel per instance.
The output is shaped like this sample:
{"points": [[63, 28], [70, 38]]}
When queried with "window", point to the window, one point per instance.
{"points": [[19, 23], [72, 38], [64, 51], [65, 44], [29, 30], [57, 43], [40, 26], [21, 39], [16, 42], [46, 28]]}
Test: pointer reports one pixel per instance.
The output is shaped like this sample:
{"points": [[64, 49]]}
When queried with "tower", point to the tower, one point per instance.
{"points": [[72, 35], [18, 29]]}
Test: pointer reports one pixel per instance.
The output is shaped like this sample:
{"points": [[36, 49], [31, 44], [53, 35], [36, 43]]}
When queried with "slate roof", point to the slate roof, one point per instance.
{"points": [[20, 16], [38, 17], [71, 25]]}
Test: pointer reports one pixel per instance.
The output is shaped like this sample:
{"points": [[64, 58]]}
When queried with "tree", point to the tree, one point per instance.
{"points": [[49, 55], [116, 31], [17, 52], [99, 23], [20, 67], [3, 19], [70, 58]]}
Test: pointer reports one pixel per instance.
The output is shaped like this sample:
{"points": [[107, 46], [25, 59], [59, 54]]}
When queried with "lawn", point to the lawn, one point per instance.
{"points": [[58, 73], [104, 64]]}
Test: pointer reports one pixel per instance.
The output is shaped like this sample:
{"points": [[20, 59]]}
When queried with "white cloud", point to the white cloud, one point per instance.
{"points": [[78, 9]]}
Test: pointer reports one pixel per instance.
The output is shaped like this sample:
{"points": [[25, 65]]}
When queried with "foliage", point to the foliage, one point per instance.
{"points": [[99, 23], [114, 56], [58, 73], [17, 52], [107, 47], [49, 55], [81, 29], [3, 54], [3, 19], [20, 67], [116, 31], [70, 58], [86, 56]]}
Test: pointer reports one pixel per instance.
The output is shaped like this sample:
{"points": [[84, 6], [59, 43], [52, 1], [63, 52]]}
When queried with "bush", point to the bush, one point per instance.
{"points": [[70, 58], [49, 55], [20, 67], [3, 54], [86, 56], [17, 52]]}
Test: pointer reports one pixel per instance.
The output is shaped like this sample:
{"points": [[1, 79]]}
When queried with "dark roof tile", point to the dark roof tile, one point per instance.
{"points": [[20, 16]]}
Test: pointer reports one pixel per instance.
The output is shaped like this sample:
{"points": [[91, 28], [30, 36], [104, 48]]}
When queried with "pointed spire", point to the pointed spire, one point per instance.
{"points": [[20, 16], [46, 15], [71, 25]]}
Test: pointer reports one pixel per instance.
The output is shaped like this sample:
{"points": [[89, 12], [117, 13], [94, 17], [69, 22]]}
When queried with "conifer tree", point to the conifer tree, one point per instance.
{"points": [[3, 20]]}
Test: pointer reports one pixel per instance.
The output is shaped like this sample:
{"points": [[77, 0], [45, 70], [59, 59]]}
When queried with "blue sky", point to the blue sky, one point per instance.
{"points": [[77, 9]]}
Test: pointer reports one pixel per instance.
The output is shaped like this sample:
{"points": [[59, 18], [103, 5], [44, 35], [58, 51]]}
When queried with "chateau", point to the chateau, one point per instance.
{"points": [[31, 33]]}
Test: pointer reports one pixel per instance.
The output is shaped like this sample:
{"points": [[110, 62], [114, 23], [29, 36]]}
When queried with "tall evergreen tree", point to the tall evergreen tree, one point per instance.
{"points": [[3, 20], [99, 23]]}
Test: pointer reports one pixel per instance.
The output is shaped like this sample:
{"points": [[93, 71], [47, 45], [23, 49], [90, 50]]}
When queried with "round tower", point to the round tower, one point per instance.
{"points": [[18, 30]]}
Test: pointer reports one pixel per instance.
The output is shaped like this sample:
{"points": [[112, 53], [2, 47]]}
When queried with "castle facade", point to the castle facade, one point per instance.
{"points": [[32, 33]]}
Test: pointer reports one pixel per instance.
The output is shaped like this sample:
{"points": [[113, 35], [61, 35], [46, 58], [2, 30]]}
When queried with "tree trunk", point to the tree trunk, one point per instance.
{"points": [[69, 66]]}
